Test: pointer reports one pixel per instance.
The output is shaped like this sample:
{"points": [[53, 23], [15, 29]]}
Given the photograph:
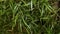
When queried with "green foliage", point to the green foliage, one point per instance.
{"points": [[28, 17]]}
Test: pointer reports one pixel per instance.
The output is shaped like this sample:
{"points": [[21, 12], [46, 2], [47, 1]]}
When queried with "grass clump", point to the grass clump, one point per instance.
{"points": [[28, 17]]}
